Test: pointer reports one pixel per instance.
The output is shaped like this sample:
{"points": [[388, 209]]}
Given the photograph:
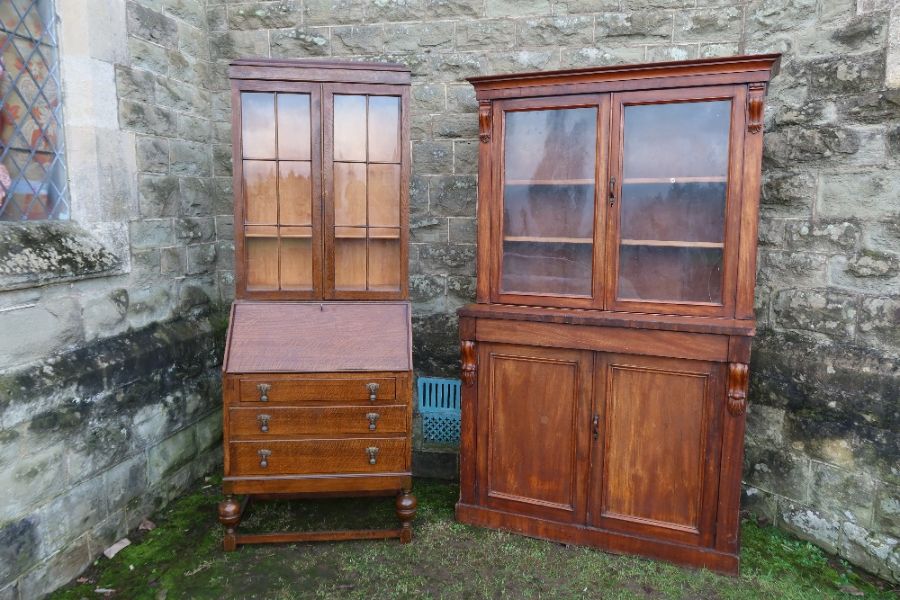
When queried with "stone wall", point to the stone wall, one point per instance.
{"points": [[822, 443], [110, 324]]}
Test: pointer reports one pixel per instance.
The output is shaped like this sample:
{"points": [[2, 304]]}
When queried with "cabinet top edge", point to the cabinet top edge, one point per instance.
{"points": [[767, 64]]}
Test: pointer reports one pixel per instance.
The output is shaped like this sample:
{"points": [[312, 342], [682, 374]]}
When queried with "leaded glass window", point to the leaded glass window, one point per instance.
{"points": [[33, 182]]}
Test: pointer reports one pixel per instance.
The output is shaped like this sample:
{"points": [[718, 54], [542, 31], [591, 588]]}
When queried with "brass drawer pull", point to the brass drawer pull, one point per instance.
{"points": [[373, 420], [263, 422], [373, 454], [263, 391], [373, 391], [264, 457]]}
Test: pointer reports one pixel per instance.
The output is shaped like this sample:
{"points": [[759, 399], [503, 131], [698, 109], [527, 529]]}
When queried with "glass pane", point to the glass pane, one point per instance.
{"points": [[548, 201], [674, 188], [384, 263], [258, 125], [349, 194], [262, 263], [384, 129], [260, 194], [294, 127], [384, 195], [349, 128], [294, 193], [296, 258], [350, 263]]}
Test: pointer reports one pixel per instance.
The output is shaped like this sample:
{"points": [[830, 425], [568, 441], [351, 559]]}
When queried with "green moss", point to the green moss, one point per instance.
{"points": [[182, 558]]}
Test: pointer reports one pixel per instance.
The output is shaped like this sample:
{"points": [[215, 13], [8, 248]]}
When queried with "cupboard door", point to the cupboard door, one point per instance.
{"points": [[533, 430], [655, 454], [278, 241], [550, 162], [675, 200], [366, 170]]}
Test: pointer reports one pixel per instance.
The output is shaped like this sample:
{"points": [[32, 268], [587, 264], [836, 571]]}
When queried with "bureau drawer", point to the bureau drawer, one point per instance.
{"points": [[275, 421], [309, 457], [318, 390]]}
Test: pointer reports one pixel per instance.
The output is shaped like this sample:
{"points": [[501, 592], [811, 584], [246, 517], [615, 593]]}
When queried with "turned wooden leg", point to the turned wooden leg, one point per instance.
{"points": [[406, 511], [229, 516]]}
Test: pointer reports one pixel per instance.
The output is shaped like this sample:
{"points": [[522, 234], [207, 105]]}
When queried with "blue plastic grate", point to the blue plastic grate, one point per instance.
{"points": [[439, 407]]}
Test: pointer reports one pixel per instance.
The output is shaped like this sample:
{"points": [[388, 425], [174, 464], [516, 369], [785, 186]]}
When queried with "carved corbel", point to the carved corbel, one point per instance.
{"points": [[755, 104], [484, 121], [467, 350], [738, 380]]}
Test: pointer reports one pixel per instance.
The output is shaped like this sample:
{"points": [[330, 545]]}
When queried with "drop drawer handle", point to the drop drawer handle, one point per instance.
{"points": [[263, 391], [263, 422], [373, 454], [373, 391], [373, 420], [264, 457]]}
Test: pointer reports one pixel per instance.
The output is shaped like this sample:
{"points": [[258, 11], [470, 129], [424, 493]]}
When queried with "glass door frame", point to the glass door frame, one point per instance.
{"points": [[329, 90], [736, 94], [601, 159], [241, 259]]}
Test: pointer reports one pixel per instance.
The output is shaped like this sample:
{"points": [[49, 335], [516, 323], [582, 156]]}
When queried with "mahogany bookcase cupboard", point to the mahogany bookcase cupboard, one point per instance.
{"points": [[317, 376], [605, 361]]}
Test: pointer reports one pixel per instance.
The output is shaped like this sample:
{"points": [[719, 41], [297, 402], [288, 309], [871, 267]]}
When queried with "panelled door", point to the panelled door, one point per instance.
{"points": [[532, 446], [550, 169], [279, 173], [656, 450], [366, 180], [674, 215]]}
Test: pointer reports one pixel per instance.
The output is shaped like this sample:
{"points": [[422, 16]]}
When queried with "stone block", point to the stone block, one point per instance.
{"points": [[158, 196], [191, 159], [193, 41], [124, 482], [701, 25], [861, 195], [167, 457], [135, 84], [713, 50], [887, 509], [56, 570], [173, 261], [69, 515], [667, 53], [427, 98], [456, 66], [151, 233], [264, 15], [764, 16], [778, 471], [221, 160], [465, 157], [634, 26], [516, 8], [416, 37], [811, 525], [196, 196], [846, 74], [556, 31], [428, 292], [462, 230], [357, 39], [432, 157], [879, 320], [872, 264], [493, 34], [590, 57], [151, 26], [455, 126], [781, 269], [190, 70], [787, 192], [435, 344], [225, 227], [765, 425], [759, 504], [523, 60], [148, 56], [229, 45], [146, 118], [328, 12], [194, 129], [838, 236], [152, 154], [201, 258], [193, 230], [453, 195], [309, 41], [859, 34], [870, 550], [181, 97], [828, 312], [461, 289], [446, 258], [787, 146], [839, 491], [208, 431], [35, 330], [461, 98]]}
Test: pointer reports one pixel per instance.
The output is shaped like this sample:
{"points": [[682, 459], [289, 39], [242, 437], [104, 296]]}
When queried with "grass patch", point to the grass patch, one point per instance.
{"points": [[182, 558]]}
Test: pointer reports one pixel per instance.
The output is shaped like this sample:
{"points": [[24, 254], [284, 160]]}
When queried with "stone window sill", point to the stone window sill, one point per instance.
{"points": [[44, 252]]}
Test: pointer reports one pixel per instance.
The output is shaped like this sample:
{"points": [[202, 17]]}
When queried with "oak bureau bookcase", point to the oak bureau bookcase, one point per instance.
{"points": [[317, 378], [605, 361]]}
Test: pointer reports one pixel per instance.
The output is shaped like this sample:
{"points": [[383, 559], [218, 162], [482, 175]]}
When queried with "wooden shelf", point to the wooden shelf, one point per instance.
{"points": [[639, 180], [671, 244], [549, 182], [548, 240]]}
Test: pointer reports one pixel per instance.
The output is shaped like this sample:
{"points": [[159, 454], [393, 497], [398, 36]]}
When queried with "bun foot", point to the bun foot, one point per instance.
{"points": [[406, 511], [229, 517]]}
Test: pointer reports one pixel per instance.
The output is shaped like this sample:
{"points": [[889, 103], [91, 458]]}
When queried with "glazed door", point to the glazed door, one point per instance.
{"points": [[655, 451], [278, 232], [675, 200], [366, 175], [550, 170], [533, 432]]}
